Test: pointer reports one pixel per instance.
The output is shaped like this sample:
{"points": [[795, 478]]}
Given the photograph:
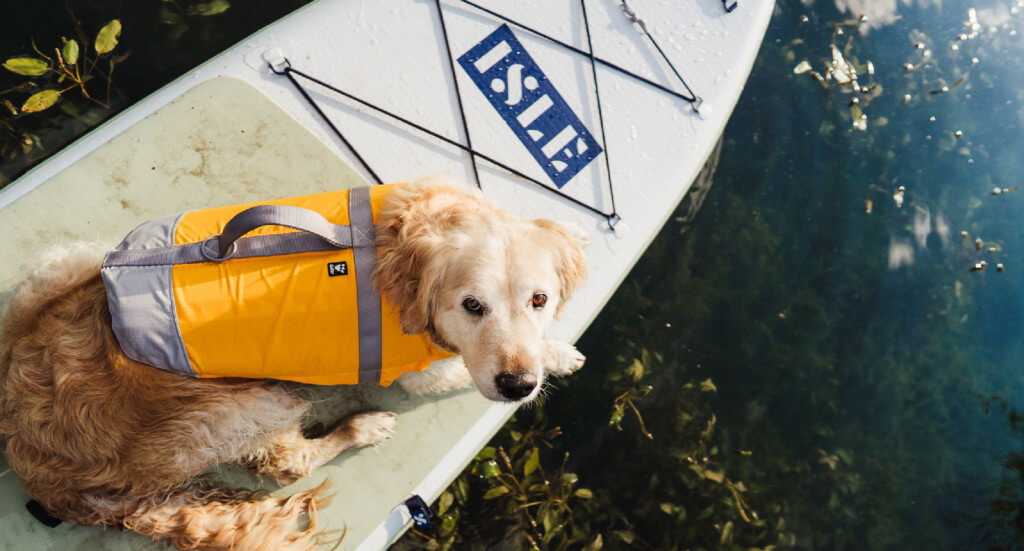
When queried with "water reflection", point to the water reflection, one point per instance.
{"points": [[879, 12]]}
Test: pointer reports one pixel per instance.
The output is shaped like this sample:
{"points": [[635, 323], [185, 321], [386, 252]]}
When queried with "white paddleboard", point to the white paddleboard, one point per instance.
{"points": [[512, 81]]}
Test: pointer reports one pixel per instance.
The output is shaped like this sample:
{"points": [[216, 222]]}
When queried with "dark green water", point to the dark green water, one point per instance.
{"points": [[162, 40], [874, 378], [867, 383]]}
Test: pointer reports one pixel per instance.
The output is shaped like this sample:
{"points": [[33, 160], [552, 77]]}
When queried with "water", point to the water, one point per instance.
{"points": [[873, 377], [850, 379], [868, 382], [163, 39]]}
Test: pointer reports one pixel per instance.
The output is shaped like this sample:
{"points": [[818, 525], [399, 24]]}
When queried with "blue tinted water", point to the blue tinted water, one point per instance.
{"points": [[835, 335]]}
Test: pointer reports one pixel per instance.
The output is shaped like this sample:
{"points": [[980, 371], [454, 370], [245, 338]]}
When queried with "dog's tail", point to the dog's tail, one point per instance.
{"points": [[203, 517]]}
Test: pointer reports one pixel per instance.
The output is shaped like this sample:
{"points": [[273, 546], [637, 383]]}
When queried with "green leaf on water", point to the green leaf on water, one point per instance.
{"points": [[106, 39], [532, 462], [487, 469], [617, 414], [445, 502], [583, 493], [497, 491], [70, 52], [40, 101], [28, 66], [717, 476], [486, 453]]}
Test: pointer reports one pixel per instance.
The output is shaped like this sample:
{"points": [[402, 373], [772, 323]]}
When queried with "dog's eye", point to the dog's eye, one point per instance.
{"points": [[473, 306], [539, 300]]}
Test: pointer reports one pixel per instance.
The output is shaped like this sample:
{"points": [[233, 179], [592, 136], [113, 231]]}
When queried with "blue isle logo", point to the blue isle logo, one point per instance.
{"points": [[528, 102]]}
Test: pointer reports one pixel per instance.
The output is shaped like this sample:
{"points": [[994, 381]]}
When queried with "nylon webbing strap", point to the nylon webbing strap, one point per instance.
{"points": [[246, 247], [296, 218], [360, 219]]}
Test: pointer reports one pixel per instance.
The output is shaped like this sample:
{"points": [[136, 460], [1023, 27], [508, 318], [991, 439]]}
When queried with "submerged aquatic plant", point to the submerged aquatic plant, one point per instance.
{"points": [[81, 64], [67, 68]]}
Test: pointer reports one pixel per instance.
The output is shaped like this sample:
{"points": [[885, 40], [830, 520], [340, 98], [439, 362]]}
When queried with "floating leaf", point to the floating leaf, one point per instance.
{"points": [[707, 386], [496, 492], [40, 101], [447, 525], [70, 52], [487, 469], [106, 39], [802, 67], [717, 476], [28, 66], [486, 453], [583, 493], [532, 462], [445, 502], [617, 415]]}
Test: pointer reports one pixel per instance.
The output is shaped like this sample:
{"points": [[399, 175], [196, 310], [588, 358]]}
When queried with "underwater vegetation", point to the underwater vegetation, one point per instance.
{"points": [[815, 360], [58, 77]]}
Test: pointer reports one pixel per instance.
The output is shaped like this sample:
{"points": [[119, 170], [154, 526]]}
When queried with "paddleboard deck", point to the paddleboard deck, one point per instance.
{"points": [[233, 131]]}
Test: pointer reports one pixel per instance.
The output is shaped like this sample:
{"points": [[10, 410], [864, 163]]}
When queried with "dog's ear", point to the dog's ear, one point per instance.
{"points": [[572, 263], [414, 240], [405, 280]]}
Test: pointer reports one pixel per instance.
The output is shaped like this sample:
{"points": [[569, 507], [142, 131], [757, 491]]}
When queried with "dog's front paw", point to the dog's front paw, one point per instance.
{"points": [[370, 428], [562, 358]]}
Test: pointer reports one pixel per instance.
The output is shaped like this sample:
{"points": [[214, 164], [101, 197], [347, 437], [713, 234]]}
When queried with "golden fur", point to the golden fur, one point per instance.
{"points": [[97, 438]]}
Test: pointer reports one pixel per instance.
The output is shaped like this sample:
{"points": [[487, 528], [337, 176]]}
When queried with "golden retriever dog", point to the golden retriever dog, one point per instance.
{"points": [[98, 438]]}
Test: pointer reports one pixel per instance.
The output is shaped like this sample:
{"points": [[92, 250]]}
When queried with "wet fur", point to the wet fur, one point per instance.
{"points": [[99, 439]]}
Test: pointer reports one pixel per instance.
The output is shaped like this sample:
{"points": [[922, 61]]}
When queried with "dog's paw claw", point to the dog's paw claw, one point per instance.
{"points": [[372, 428], [563, 359]]}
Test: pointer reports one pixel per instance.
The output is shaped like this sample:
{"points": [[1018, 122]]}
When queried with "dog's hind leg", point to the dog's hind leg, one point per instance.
{"points": [[288, 455]]}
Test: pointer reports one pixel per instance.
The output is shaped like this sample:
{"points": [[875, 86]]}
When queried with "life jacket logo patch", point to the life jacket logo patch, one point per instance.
{"points": [[530, 105], [337, 269]]}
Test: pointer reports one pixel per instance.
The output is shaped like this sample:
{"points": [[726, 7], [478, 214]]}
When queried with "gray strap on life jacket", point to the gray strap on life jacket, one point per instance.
{"points": [[296, 218], [317, 234], [360, 219]]}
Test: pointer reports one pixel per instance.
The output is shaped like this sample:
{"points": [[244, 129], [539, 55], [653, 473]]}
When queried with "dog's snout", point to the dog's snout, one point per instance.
{"points": [[515, 387]]}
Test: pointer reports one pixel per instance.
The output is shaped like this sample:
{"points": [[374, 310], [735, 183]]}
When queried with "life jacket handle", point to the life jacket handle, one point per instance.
{"points": [[296, 218]]}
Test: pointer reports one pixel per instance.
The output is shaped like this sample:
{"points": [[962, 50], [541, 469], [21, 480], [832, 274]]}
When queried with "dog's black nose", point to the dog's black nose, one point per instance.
{"points": [[515, 387]]}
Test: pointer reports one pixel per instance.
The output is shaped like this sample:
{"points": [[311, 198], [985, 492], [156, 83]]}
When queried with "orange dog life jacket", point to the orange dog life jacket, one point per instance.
{"points": [[293, 299]]}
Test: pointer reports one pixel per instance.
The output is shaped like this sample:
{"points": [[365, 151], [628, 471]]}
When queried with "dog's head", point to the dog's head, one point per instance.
{"points": [[478, 281]]}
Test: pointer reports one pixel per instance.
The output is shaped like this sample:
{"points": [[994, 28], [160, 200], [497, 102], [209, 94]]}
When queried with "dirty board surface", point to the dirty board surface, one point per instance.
{"points": [[221, 143]]}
